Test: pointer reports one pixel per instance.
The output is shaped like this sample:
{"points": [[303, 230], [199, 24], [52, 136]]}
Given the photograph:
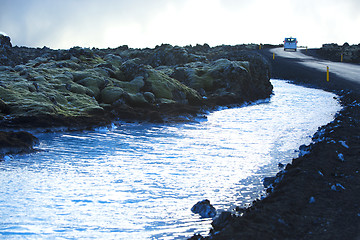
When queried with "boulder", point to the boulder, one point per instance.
{"points": [[79, 52], [204, 209], [195, 75], [219, 78], [15, 142], [131, 68], [133, 86], [77, 88], [166, 87], [5, 41], [94, 83], [136, 100], [149, 96], [168, 55], [221, 221], [79, 75], [111, 94], [114, 60]]}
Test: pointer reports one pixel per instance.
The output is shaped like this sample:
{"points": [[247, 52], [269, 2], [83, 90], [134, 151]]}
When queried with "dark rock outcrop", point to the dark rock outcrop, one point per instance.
{"points": [[267, 181], [16, 142], [5, 41], [221, 221], [47, 88], [333, 52], [204, 209]]}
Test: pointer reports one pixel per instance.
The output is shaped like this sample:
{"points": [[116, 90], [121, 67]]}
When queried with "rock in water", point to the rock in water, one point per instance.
{"points": [[16, 142], [204, 209]]}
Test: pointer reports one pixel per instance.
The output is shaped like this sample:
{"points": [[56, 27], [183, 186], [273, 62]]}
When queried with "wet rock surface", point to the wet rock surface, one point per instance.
{"points": [[204, 209], [16, 142]]}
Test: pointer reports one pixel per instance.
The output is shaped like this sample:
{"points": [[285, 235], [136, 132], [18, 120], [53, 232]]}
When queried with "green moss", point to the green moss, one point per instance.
{"points": [[50, 95], [163, 86], [60, 99], [95, 84], [136, 99], [165, 101], [78, 75], [79, 104], [133, 86], [77, 88], [91, 61], [110, 94], [204, 81]]}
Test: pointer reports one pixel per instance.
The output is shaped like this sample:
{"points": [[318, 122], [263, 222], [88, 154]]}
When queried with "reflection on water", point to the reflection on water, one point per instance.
{"points": [[139, 181]]}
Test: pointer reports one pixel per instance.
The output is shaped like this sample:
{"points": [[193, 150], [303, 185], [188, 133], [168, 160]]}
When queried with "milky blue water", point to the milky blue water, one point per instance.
{"points": [[139, 181]]}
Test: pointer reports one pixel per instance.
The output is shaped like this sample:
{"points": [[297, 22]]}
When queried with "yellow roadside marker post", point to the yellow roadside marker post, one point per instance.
{"points": [[260, 46], [273, 56], [327, 74]]}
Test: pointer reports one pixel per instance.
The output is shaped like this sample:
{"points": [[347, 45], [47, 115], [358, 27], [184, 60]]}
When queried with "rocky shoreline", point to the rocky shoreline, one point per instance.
{"points": [[314, 197], [82, 88]]}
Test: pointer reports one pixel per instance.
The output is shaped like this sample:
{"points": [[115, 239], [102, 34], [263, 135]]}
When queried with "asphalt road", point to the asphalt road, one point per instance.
{"points": [[301, 67]]}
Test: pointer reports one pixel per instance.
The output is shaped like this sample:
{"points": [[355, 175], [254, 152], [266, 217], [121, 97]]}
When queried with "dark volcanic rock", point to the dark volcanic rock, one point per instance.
{"points": [[167, 55], [333, 52], [5, 41], [221, 221], [204, 209], [16, 142], [268, 181], [41, 87]]}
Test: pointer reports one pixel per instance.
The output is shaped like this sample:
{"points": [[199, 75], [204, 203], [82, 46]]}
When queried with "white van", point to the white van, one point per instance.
{"points": [[290, 44]]}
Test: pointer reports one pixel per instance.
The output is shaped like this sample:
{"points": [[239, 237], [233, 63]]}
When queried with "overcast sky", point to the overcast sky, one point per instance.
{"points": [[147, 23]]}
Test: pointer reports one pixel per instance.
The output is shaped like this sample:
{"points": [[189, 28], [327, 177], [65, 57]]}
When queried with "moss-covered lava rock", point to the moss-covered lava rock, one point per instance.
{"points": [[100, 85]]}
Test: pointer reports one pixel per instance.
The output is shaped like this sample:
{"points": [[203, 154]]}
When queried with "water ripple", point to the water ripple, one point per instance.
{"points": [[139, 181]]}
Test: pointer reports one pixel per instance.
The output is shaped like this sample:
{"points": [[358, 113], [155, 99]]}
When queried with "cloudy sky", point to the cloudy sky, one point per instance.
{"points": [[147, 23]]}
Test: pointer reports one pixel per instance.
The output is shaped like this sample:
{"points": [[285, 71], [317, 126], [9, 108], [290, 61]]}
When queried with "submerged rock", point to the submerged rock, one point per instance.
{"points": [[204, 209]]}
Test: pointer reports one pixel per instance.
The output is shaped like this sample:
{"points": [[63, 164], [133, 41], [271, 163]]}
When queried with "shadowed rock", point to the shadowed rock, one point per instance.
{"points": [[16, 142], [204, 209]]}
